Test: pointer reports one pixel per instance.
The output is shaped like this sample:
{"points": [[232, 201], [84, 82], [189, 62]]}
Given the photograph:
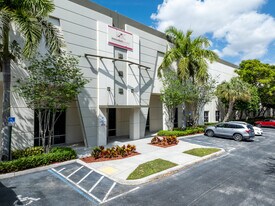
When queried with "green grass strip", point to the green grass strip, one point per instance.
{"points": [[149, 168], [200, 152]]}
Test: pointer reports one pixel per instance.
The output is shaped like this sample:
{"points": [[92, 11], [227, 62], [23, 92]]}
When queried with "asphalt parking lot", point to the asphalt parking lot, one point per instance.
{"points": [[71, 184], [243, 175]]}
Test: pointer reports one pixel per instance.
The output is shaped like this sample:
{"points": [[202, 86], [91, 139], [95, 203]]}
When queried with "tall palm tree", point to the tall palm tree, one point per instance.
{"points": [[232, 91], [29, 18], [190, 55]]}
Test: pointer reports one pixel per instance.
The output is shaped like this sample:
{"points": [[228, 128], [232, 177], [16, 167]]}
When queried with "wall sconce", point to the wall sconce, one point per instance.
{"points": [[120, 91], [120, 56], [120, 73], [108, 89], [132, 90]]}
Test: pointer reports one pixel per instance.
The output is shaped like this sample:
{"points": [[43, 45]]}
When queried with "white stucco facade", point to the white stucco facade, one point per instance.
{"points": [[122, 98]]}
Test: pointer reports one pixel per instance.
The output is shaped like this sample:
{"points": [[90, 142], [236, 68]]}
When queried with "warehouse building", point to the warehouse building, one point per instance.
{"points": [[120, 58]]}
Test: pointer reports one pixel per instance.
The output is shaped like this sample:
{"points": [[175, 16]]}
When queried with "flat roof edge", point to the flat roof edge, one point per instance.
{"points": [[228, 63], [120, 19]]}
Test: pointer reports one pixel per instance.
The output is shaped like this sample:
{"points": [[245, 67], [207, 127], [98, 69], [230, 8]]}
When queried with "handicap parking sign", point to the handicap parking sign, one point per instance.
{"points": [[11, 121]]}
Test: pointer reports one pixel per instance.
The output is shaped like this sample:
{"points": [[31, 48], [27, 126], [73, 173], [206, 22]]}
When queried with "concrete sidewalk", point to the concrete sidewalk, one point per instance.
{"points": [[119, 170]]}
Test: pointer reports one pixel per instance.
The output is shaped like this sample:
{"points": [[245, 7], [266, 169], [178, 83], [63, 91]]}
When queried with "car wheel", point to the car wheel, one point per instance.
{"points": [[258, 125], [209, 133], [237, 137]]}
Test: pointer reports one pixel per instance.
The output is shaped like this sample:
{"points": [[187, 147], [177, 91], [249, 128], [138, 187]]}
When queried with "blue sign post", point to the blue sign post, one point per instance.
{"points": [[11, 122]]}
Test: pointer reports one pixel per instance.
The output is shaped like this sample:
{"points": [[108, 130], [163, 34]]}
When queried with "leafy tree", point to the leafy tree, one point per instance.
{"points": [[199, 96], [232, 91], [172, 95], [53, 83], [249, 106], [261, 76], [190, 55], [29, 18]]}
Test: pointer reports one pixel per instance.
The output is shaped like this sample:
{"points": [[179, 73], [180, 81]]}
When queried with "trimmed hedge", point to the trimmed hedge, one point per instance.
{"points": [[30, 151], [57, 154], [181, 133]]}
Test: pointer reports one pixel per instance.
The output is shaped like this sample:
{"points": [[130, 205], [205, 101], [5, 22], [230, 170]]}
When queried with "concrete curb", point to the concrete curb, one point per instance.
{"points": [[37, 169], [191, 135], [170, 171], [158, 175]]}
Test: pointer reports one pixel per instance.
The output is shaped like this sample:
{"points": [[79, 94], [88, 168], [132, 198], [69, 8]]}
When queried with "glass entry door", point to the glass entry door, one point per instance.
{"points": [[111, 122]]}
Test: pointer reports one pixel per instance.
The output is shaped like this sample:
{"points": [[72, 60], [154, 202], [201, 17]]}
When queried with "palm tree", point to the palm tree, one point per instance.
{"points": [[232, 91], [29, 18], [190, 55]]}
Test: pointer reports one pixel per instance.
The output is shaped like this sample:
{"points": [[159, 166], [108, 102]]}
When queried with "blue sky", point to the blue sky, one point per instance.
{"points": [[238, 29]]}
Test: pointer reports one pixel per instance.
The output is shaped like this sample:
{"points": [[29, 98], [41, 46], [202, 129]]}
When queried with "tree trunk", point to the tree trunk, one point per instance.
{"points": [[6, 65], [230, 109], [51, 131]]}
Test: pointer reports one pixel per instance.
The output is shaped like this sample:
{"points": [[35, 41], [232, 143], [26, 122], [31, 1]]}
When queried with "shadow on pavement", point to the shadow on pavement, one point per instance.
{"points": [[8, 196], [270, 166]]}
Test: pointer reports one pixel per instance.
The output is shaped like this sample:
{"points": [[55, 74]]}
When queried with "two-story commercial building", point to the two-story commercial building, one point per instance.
{"points": [[120, 58]]}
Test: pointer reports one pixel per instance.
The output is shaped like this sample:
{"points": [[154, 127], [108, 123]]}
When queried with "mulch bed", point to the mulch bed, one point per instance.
{"points": [[163, 146], [91, 159]]}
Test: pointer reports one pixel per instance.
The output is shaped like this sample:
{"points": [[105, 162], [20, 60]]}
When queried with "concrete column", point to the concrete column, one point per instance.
{"points": [[135, 123]]}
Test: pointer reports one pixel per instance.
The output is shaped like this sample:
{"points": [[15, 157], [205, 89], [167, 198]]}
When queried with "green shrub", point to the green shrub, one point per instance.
{"points": [[56, 155], [30, 151], [115, 151], [188, 131]]}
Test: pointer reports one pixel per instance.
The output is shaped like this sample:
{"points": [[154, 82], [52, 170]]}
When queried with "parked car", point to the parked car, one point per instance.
{"points": [[265, 123], [233, 130], [258, 131]]}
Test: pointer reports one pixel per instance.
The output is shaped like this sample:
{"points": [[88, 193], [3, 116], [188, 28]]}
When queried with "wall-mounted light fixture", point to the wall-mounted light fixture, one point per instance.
{"points": [[120, 56], [120, 91], [108, 89], [120, 73]]}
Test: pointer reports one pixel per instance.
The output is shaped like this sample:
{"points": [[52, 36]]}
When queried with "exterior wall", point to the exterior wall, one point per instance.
{"points": [[156, 114], [85, 28], [123, 122], [220, 72], [73, 125]]}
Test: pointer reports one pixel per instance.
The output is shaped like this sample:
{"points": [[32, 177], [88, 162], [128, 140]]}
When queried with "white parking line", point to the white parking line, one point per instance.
{"points": [[106, 196], [84, 177], [98, 181], [72, 182], [121, 194], [75, 171], [62, 169]]}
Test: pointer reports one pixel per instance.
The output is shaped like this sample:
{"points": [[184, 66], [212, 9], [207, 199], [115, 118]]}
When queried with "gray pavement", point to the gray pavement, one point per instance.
{"points": [[244, 175], [119, 170]]}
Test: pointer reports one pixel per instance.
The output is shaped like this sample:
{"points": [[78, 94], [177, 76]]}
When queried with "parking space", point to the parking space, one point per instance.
{"points": [[99, 187], [71, 184], [229, 144]]}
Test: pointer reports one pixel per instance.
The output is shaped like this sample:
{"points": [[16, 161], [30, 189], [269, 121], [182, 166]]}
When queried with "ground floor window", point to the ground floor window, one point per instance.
{"points": [[59, 129], [217, 116], [206, 116], [148, 121], [176, 124]]}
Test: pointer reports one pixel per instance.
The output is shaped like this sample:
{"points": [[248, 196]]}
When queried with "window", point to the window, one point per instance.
{"points": [[217, 115], [176, 124], [221, 125], [206, 116], [59, 129]]}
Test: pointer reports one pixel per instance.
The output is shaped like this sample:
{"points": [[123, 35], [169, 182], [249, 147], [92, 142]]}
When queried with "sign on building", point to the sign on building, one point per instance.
{"points": [[120, 38]]}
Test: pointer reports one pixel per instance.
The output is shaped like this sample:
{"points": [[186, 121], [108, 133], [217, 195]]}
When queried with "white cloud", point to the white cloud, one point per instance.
{"points": [[246, 32]]}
